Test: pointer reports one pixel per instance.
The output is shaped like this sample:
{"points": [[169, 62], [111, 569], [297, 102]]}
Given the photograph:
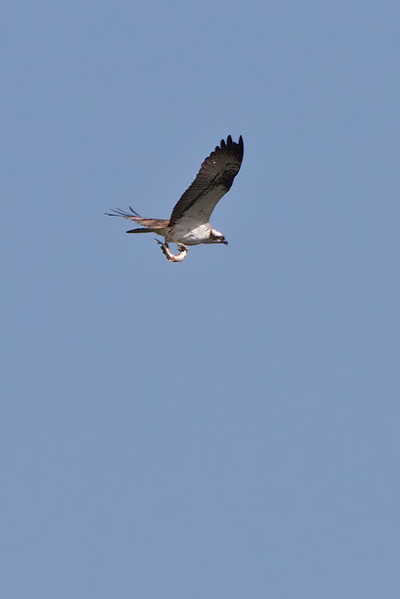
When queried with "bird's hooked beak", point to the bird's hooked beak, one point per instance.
{"points": [[225, 242]]}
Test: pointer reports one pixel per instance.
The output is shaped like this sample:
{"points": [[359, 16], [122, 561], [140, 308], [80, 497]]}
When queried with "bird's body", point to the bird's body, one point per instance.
{"points": [[189, 221]]}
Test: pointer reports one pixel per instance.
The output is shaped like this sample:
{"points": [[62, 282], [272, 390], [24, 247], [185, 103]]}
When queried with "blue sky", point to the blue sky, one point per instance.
{"points": [[227, 427]]}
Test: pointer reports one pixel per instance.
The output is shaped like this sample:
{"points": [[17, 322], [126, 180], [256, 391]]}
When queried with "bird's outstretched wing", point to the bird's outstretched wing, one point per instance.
{"points": [[213, 180], [151, 224]]}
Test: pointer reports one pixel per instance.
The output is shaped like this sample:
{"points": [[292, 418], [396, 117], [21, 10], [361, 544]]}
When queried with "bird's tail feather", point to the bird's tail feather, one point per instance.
{"points": [[141, 231]]}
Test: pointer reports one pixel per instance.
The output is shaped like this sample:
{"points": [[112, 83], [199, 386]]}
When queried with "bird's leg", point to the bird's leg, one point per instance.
{"points": [[168, 254]]}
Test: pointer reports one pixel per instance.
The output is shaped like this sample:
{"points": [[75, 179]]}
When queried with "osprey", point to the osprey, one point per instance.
{"points": [[188, 224]]}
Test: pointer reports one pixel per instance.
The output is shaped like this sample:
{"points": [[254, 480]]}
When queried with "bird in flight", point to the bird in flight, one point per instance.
{"points": [[189, 221]]}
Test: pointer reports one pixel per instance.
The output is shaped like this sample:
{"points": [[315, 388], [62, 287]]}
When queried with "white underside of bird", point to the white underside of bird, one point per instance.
{"points": [[185, 232]]}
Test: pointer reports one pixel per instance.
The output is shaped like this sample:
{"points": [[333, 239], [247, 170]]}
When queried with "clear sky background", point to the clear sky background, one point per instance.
{"points": [[227, 427]]}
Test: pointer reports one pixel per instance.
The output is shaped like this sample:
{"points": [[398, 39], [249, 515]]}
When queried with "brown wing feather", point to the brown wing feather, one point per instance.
{"points": [[151, 223], [213, 180]]}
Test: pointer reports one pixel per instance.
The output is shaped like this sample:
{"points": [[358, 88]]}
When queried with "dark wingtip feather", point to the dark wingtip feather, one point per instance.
{"points": [[241, 146], [236, 147], [116, 212], [229, 143], [119, 212], [134, 212]]}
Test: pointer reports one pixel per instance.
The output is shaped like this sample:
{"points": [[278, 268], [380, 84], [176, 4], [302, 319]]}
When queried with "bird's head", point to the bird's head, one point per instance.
{"points": [[217, 237]]}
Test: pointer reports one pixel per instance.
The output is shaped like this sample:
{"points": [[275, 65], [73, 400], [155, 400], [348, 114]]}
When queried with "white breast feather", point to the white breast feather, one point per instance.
{"points": [[188, 231]]}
